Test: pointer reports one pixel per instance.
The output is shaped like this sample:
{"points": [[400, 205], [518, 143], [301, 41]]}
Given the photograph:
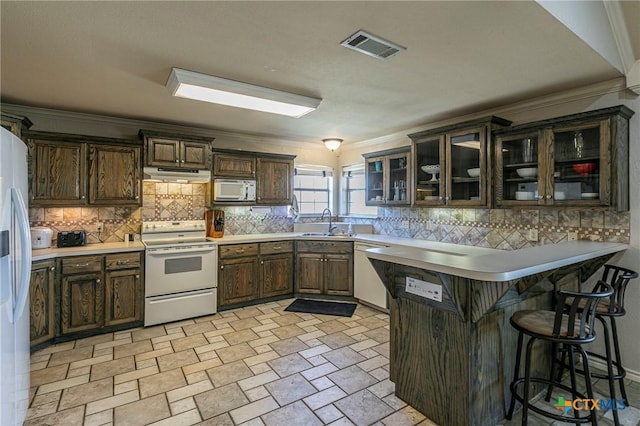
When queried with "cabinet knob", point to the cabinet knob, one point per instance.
{"points": [[82, 198], [137, 276], [177, 161], [53, 268], [440, 198], [182, 161], [540, 197], [548, 197], [137, 197], [221, 266], [98, 280], [262, 262]]}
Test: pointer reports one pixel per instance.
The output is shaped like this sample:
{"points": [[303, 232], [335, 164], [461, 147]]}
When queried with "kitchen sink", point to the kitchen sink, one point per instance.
{"points": [[322, 234]]}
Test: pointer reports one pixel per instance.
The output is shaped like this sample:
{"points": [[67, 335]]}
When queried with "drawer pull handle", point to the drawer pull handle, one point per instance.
{"points": [[122, 262], [240, 251], [81, 265], [277, 248]]}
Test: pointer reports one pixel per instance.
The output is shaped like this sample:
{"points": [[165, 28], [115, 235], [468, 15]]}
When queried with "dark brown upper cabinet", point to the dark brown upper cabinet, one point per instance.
{"points": [[388, 177], [451, 163], [577, 160], [176, 151], [77, 170], [273, 174]]}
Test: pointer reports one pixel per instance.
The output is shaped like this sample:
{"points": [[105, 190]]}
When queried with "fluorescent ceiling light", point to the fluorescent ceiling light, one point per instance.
{"points": [[202, 87]]}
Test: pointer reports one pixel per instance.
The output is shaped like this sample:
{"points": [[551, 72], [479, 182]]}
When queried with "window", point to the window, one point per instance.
{"points": [[354, 184], [312, 186]]}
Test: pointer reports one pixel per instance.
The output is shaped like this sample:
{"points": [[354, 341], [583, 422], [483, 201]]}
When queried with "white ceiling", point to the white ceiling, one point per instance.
{"points": [[113, 58]]}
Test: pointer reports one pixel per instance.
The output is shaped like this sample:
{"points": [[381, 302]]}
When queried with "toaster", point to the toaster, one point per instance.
{"points": [[71, 238], [41, 237]]}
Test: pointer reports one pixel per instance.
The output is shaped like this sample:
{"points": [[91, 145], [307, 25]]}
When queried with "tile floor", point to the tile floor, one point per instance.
{"points": [[252, 366]]}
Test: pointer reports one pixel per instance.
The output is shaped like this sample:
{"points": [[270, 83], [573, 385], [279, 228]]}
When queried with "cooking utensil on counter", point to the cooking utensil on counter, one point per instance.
{"points": [[215, 223]]}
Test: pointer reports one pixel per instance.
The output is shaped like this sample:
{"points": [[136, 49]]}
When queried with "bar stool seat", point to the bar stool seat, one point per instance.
{"points": [[572, 329]]}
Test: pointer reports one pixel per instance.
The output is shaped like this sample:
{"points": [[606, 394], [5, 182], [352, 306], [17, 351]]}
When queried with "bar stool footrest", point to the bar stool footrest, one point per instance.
{"points": [[617, 376], [520, 399]]}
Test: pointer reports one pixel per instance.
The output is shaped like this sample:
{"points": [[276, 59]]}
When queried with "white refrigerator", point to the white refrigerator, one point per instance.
{"points": [[15, 271]]}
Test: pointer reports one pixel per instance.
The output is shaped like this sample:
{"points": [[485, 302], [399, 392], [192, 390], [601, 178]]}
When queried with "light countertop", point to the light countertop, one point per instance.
{"points": [[500, 265], [453, 249], [53, 252], [466, 261]]}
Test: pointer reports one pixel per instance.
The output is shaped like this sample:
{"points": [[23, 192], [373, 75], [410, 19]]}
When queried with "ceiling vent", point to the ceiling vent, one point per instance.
{"points": [[371, 45]]}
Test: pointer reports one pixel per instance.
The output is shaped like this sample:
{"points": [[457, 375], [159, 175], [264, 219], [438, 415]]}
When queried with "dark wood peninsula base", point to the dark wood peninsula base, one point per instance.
{"points": [[453, 360]]}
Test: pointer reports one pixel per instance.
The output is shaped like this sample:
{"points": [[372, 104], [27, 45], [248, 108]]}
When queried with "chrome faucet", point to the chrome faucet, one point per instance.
{"points": [[331, 228]]}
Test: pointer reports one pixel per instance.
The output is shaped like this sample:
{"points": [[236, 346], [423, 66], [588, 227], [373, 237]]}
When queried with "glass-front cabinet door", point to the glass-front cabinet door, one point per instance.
{"points": [[466, 176], [375, 185], [397, 184], [579, 161], [430, 170], [387, 177], [518, 175]]}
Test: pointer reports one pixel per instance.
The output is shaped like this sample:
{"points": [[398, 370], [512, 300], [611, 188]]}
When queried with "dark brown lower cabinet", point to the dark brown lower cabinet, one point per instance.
{"points": [[238, 280], [41, 302], [250, 272], [82, 294], [124, 297], [100, 291], [324, 267], [276, 275]]}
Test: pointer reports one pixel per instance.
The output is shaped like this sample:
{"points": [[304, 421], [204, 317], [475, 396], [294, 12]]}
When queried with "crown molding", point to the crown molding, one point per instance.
{"points": [[616, 85], [135, 125]]}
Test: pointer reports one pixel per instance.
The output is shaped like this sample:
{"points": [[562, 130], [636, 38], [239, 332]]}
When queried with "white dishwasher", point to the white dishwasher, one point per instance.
{"points": [[367, 285]]}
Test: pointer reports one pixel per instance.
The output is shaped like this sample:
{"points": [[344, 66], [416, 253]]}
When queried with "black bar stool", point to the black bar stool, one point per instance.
{"points": [[618, 278], [571, 328]]}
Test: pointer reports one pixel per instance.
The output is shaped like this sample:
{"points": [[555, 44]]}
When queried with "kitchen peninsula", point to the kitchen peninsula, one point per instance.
{"points": [[452, 348]]}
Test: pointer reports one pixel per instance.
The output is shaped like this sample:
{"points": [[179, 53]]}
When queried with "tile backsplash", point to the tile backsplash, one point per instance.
{"points": [[160, 201], [494, 228], [116, 221], [501, 228], [507, 229]]}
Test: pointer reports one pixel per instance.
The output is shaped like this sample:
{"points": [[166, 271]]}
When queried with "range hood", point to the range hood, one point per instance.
{"points": [[166, 174]]}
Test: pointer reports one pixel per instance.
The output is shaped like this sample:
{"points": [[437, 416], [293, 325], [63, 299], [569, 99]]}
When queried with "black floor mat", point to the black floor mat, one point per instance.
{"points": [[322, 307]]}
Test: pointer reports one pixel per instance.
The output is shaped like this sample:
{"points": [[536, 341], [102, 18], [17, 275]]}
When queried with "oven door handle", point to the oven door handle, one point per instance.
{"points": [[172, 251]]}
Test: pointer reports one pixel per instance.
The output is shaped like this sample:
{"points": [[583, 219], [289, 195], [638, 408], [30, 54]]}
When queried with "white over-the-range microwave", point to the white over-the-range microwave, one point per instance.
{"points": [[234, 190]]}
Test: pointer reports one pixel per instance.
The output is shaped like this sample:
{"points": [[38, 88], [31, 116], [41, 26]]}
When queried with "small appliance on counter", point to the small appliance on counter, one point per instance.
{"points": [[71, 238], [41, 237]]}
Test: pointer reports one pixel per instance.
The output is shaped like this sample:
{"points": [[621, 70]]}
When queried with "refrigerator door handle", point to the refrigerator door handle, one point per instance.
{"points": [[25, 252]]}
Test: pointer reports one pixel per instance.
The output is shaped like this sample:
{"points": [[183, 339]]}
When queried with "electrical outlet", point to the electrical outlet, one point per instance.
{"points": [[572, 236], [532, 235], [99, 226]]}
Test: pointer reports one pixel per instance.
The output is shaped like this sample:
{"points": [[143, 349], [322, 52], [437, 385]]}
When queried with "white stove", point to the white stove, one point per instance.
{"points": [[180, 272], [175, 233]]}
